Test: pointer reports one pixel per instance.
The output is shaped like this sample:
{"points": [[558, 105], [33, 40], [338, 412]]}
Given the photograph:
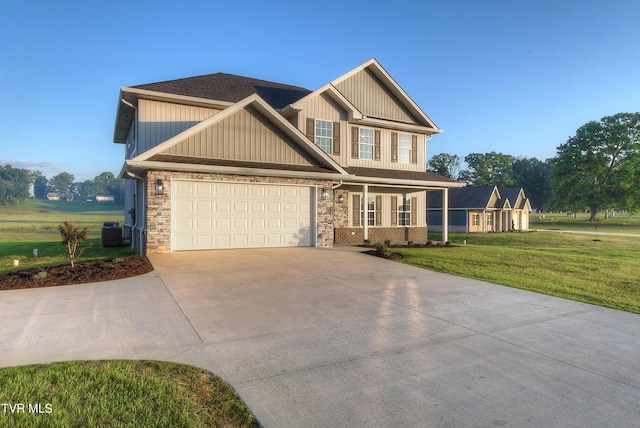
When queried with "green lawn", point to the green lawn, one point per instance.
{"points": [[572, 266], [118, 393], [29, 225], [621, 223]]}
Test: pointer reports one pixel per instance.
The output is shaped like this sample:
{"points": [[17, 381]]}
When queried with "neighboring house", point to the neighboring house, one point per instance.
{"points": [[105, 198], [225, 161], [53, 196], [480, 209]]}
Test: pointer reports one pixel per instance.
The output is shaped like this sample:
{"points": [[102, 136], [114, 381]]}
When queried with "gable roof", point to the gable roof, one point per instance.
{"points": [[374, 68], [230, 88], [256, 102]]}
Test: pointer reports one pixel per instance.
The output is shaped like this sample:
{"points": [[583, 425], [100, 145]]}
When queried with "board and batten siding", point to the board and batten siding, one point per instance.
{"points": [[385, 210], [369, 95], [323, 108], [159, 121], [246, 135]]}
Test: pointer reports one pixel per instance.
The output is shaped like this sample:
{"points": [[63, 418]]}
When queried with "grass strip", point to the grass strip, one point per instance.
{"points": [[118, 393]]}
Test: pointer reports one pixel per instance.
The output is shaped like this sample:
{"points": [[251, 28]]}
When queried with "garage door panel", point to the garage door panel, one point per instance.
{"points": [[208, 215]]}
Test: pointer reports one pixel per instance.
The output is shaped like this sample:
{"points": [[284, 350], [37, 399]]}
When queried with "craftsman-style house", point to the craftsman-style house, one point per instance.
{"points": [[224, 161], [480, 209]]}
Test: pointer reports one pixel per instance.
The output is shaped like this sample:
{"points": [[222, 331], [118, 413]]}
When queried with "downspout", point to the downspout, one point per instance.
{"points": [[140, 219]]}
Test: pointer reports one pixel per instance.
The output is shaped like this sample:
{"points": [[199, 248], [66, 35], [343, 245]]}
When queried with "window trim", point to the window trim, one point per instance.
{"points": [[404, 212], [327, 139], [404, 148], [362, 144]]}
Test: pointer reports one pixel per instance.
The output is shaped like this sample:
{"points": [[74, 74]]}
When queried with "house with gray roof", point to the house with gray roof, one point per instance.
{"points": [[225, 161], [480, 209]]}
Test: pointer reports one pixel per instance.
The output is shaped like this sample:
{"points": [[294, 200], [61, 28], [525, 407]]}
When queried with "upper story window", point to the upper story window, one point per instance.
{"points": [[404, 148], [324, 135], [366, 139]]}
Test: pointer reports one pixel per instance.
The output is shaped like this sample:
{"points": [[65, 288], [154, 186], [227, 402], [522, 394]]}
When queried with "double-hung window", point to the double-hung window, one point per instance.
{"points": [[369, 210], [404, 148], [404, 213], [476, 219], [366, 143], [324, 135]]}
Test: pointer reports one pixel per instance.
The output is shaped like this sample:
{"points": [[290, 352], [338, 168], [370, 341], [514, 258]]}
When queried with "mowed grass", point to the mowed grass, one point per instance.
{"points": [[30, 225], [571, 266], [119, 393], [623, 222]]}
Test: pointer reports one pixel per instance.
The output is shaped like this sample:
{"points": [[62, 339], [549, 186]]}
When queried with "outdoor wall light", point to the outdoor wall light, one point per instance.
{"points": [[324, 194], [340, 199], [159, 188]]}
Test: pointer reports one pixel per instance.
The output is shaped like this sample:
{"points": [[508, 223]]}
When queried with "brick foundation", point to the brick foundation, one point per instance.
{"points": [[397, 235]]}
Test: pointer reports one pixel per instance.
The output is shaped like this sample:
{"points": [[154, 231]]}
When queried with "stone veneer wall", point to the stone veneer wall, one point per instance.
{"points": [[159, 207]]}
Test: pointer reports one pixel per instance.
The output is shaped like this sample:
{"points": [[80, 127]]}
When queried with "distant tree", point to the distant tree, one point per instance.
{"points": [[39, 185], [15, 182], [488, 169], [85, 188], [599, 167], [108, 184], [62, 182], [446, 165], [533, 176]]}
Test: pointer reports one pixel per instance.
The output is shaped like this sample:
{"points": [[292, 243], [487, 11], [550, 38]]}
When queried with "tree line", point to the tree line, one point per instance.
{"points": [[15, 184], [598, 168]]}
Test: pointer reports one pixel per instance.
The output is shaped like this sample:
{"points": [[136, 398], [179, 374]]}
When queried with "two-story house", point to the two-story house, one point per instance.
{"points": [[225, 161]]}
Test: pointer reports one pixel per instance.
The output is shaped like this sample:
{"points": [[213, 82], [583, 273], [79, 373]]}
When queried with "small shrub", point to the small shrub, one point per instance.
{"points": [[429, 243], [72, 237], [109, 266], [40, 275], [410, 243], [448, 243], [380, 247], [387, 242], [367, 242], [117, 260]]}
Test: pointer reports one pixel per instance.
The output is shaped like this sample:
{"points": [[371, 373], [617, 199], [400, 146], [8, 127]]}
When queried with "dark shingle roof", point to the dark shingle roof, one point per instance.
{"points": [[402, 175], [230, 88], [465, 197]]}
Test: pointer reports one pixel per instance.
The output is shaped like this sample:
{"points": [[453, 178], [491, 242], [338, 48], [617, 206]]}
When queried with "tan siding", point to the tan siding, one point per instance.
{"points": [[368, 94], [158, 121], [245, 135], [324, 108], [385, 161]]}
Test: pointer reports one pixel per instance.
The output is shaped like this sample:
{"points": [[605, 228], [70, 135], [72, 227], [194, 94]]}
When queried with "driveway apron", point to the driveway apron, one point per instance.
{"points": [[314, 337]]}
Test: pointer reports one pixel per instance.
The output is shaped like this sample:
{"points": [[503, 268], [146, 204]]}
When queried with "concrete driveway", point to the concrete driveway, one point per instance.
{"points": [[313, 337]]}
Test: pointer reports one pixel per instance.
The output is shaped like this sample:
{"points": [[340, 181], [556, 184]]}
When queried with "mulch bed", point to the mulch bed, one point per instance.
{"points": [[83, 272]]}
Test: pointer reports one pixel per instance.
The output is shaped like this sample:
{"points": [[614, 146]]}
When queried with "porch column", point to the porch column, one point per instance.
{"points": [[365, 209], [484, 221], [445, 215], [499, 220]]}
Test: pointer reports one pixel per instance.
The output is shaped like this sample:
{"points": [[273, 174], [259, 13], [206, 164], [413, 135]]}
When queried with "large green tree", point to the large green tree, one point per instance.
{"points": [[14, 182], [446, 165], [488, 169], [40, 183], [599, 167], [62, 182], [533, 176]]}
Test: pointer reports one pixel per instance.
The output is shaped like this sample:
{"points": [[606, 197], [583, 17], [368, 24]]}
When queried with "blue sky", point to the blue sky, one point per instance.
{"points": [[517, 77]]}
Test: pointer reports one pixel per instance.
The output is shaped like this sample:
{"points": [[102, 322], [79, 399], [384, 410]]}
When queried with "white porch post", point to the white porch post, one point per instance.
{"points": [[499, 218], [365, 211], [445, 215], [484, 221]]}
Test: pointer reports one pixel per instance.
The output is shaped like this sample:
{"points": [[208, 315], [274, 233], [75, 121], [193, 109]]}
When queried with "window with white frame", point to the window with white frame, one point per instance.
{"points": [[476, 220], [324, 135], [366, 139], [369, 211], [404, 148], [489, 220], [404, 212]]}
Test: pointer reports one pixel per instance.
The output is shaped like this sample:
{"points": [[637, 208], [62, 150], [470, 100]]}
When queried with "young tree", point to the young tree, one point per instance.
{"points": [[72, 237], [446, 165], [488, 169], [599, 167]]}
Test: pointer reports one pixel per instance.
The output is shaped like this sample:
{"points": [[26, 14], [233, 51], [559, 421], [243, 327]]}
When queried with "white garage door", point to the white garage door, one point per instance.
{"points": [[212, 215]]}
